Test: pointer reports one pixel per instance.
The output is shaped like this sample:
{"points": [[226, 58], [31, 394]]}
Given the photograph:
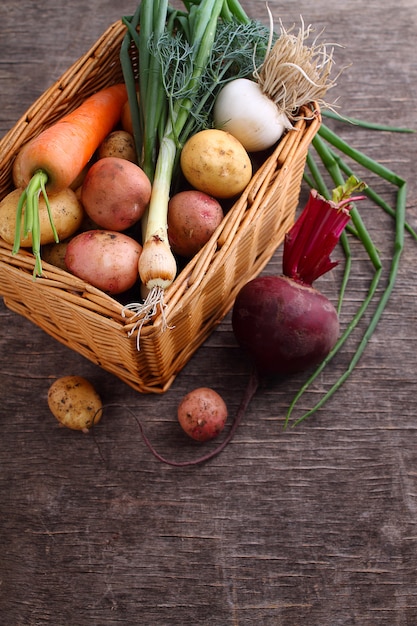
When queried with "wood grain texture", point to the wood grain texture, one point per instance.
{"points": [[315, 525]]}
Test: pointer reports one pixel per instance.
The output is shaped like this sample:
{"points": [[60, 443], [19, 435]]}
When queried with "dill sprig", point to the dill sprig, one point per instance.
{"points": [[237, 50]]}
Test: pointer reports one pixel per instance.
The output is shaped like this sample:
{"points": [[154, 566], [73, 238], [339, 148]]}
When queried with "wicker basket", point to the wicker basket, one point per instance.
{"points": [[93, 323]]}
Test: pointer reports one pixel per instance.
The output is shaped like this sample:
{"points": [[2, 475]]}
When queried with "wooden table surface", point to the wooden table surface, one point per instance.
{"points": [[314, 525]]}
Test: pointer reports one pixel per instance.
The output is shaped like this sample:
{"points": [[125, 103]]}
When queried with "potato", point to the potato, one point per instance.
{"points": [[67, 213], [115, 193], [193, 216], [202, 414], [119, 144], [75, 403], [106, 259], [54, 253], [215, 162]]}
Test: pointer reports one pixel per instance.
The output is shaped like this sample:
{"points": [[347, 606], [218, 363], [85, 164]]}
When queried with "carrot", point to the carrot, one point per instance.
{"points": [[53, 159], [62, 150]]}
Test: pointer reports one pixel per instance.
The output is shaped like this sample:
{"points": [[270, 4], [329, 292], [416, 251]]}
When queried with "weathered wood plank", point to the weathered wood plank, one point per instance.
{"points": [[315, 525]]}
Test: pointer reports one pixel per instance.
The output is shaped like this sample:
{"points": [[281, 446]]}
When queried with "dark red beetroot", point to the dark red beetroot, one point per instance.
{"points": [[285, 326], [284, 323]]}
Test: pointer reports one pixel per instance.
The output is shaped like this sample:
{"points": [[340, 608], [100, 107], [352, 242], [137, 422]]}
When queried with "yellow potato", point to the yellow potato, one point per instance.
{"points": [[54, 253], [67, 213], [215, 162], [119, 144], [75, 403]]}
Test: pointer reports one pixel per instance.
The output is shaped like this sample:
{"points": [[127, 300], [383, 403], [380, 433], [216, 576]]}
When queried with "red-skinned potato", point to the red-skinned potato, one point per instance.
{"points": [[193, 216], [115, 193], [106, 259], [202, 414]]}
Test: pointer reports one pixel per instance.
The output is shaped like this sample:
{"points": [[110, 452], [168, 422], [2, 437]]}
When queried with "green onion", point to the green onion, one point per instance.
{"points": [[363, 124], [334, 166], [157, 265]]}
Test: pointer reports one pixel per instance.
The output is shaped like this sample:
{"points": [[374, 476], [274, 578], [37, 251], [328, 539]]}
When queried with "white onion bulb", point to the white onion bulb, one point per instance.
{"points": [[249, 115]]}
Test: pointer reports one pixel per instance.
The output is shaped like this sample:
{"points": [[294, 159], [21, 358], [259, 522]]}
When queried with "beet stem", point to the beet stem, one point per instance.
{"points": [[314, 235]]}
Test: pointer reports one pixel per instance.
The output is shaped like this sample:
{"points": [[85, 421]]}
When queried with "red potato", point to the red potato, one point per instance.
{"points": [[202, 414], [193, 216], [115, 193], [106, 259]]}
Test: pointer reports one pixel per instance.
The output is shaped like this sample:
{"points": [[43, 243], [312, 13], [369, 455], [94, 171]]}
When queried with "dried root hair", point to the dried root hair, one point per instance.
{"points": [[145, 311], [294, 74]]}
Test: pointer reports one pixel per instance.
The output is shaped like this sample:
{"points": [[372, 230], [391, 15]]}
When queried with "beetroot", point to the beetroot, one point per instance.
{"points": [[284, 323], [285, 326]]}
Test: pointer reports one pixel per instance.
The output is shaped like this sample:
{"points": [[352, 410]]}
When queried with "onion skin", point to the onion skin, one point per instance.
{"points": [[285, 326]]}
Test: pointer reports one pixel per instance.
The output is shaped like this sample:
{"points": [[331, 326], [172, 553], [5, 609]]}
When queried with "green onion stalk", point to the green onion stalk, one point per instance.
{"points": [[157, 267]]}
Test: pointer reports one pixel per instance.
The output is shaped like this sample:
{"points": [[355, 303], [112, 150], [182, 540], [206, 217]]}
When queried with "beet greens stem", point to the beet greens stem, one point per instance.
{"points": [[366, 240]]}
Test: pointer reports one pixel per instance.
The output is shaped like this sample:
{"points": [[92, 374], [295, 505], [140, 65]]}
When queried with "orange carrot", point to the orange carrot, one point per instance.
{"points": [[62, 150], [51, 161]]}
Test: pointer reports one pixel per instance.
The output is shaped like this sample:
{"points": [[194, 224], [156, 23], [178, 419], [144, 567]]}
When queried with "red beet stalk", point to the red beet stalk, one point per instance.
{"points": [[309, 243]]}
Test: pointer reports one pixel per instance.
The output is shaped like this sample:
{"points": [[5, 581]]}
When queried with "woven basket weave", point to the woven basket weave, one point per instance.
{"points": [[94, 324]]}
